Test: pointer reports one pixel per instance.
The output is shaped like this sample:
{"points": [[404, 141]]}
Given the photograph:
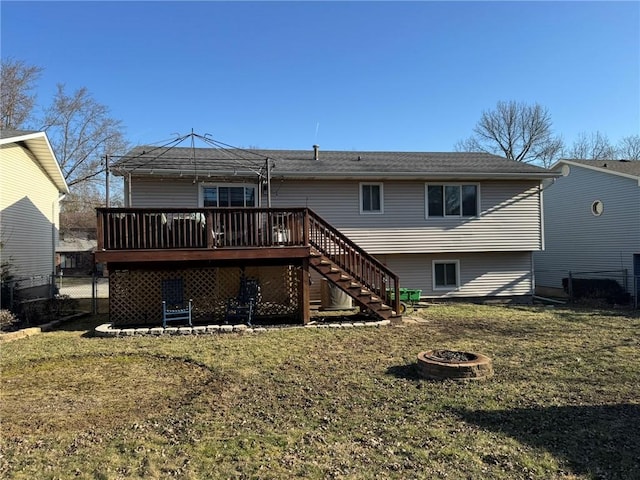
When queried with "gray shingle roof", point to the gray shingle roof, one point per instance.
{"points": [[630, 167], [38, 144], [146, 160], [76, 245], [10, 133]]}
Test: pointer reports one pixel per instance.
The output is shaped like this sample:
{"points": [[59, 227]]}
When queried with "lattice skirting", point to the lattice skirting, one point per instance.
{"points": [[135, 296]]}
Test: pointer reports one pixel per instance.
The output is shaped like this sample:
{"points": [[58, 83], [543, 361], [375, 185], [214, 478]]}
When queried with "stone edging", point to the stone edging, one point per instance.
{"points": [[107, 330], [45, 327], [479, 368]]}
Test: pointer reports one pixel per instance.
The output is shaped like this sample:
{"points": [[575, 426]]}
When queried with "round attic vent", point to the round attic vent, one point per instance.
{"points": [[597, 208]]}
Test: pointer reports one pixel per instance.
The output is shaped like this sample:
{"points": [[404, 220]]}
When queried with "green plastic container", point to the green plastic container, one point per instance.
{"points": [[406, 295]]}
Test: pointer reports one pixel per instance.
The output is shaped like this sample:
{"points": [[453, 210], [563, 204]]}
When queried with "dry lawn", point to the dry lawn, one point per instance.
{"points": [[329, 403]]}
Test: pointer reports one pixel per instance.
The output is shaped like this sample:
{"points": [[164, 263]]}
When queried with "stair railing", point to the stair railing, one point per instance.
{"points": [[363, 267]]}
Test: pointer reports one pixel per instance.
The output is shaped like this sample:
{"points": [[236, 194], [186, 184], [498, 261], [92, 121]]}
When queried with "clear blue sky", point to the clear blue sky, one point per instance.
{"points": [[412, 76]]}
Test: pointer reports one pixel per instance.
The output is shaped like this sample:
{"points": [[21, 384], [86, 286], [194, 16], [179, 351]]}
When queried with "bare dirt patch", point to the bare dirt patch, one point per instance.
{"points": [[94, 392]]}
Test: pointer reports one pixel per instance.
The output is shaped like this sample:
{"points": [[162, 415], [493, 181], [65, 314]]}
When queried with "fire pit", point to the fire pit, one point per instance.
{"points": [[450, 364]]}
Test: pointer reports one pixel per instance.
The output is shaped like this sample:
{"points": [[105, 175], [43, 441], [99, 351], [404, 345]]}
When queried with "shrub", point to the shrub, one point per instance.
{"points": [[596, 288], [7, 320], [60, 305]]}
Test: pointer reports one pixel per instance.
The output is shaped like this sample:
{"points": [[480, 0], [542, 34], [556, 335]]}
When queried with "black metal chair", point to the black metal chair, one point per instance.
{"points": [[243, 306], [174, 307]]}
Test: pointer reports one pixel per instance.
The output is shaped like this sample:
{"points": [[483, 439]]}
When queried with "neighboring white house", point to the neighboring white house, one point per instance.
{"points": [[592, 223], [31, 186], [449, 224]]}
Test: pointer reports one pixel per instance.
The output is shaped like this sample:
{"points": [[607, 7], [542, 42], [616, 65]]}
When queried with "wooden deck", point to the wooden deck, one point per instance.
{"points": [[292, 236], [171, 234]]}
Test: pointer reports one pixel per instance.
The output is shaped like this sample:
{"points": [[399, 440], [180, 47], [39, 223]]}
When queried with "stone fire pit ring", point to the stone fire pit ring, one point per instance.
{"points": [[453, 365]]}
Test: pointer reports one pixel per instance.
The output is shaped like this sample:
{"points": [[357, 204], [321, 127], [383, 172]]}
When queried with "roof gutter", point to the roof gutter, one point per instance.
{"points": [[50, 165], [203, 174], [417, 176], [596, 168]]}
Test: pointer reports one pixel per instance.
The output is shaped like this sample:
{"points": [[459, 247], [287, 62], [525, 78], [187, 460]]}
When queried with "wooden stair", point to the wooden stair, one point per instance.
{"points": [[356, 289]]}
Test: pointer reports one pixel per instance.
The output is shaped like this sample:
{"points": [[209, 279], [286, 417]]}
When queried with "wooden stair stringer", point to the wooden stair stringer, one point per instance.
{"points": [[347, 283]]}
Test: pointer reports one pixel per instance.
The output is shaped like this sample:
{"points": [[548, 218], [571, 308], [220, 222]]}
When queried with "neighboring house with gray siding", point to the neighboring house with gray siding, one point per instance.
{"points": [[592, 223], [31, 186], [450, 224], [74, 253]]}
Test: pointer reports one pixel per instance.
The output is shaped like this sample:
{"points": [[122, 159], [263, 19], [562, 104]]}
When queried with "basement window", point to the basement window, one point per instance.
{"points": [[446, 274]]}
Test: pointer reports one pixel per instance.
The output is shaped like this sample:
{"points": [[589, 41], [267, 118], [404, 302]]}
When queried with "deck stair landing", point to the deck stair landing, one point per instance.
{"points": [[363, 296]]}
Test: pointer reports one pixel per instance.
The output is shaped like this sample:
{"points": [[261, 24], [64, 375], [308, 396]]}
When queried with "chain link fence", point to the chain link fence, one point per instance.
{"points": [[91, 291], [613, 287], [39, 299]]}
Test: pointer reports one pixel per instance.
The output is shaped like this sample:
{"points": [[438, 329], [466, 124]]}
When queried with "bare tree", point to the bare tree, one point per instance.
{"points": [[78, 207], [518, 131], [629, 148], [594, 146], [82, 133], [17, 81]]}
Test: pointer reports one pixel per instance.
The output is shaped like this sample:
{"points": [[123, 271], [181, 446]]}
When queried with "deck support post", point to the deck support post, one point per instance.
{"points": [[304, 292], [100, 230]]}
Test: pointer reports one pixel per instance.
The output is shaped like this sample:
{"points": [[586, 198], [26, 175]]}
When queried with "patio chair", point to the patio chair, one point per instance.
{"points": [[174, 307], [243, 306]]}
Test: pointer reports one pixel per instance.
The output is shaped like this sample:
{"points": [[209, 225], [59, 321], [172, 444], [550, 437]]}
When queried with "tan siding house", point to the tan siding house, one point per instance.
{"points": [[500, 274], [31, 185], [508, 218], [449, 224]]}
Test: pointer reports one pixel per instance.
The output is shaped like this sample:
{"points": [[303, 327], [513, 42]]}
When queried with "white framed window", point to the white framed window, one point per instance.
{"points": [[446, 274], [68, 260], [452, 199], [371, 198], [228, 195]]}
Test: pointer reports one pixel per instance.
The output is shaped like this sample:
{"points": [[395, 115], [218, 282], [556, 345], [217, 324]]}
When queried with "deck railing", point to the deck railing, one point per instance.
{"points": [[199, 228], [209, 228]]}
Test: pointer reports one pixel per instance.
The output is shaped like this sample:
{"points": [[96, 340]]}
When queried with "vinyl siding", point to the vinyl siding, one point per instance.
{"points": [[151, 193], [507, 230], [481, 275], [29, 213], [509, 217], [164, 193], [578, 241]]}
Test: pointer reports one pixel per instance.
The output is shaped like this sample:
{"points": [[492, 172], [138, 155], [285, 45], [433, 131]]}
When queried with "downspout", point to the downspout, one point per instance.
{"points": [[53, 245], [533, 277], [541, 212], [541, 189], [55, 208], [541, 233]]}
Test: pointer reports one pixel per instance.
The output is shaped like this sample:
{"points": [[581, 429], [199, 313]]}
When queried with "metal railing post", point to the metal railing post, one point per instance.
{"points": [[94, 293], [570, 286]]}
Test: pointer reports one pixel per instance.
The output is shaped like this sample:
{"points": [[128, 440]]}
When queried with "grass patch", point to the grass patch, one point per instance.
{"points": [[329, 403]]}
